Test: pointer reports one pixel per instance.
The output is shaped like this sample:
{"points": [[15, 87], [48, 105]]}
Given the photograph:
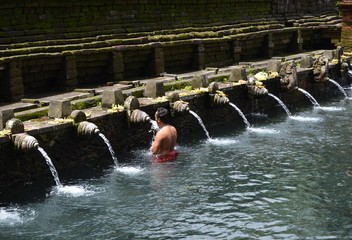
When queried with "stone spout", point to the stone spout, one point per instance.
{"points": [[180, 106], [25, 142], [256, 88], [320, 69], [288, 76], [87, 128], [220, 99], [138, 116]]}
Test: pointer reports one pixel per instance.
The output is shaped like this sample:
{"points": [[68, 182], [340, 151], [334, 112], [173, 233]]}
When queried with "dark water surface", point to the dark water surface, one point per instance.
{"points": [[286, 178]]}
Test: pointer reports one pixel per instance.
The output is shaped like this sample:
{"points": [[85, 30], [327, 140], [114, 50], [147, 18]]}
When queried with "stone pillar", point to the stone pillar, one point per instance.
{"points": [[237, 50], [11, 81], [112, 96], [70, 70], [118, 66], [158, 59], [59, 109], [154, 89], [271, 45], [299, 40], [5, 115], [345, 7], [199, 56]]}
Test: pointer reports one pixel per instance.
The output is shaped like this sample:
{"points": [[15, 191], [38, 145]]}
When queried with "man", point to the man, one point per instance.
{"points": [[163, 146]]}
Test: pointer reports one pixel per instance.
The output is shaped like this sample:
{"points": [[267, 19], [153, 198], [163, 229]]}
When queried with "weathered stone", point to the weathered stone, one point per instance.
{"points": [[15, 126], [238, 73], [200, 81], [154, 89], [306, 61], [59, 108], [5, 115], [274, 66], [213, 87], [131, 103], [78, 116], [112, 96]]}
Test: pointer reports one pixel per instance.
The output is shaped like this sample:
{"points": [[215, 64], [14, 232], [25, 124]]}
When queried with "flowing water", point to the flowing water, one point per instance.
{"points": [[295, 184], [309, 96], [200, 123], [241, 114], [338, 86], [107, 142], [281, 104], [51, 166]]}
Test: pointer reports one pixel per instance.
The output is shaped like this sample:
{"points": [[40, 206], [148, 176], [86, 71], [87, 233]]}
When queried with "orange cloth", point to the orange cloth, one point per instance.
{"points": [[171, 156]]}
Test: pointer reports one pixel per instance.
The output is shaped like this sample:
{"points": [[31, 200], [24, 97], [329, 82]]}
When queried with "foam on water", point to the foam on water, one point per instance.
{"points": [[331, 109], [12, 216], [263, 130], [222, 141], [305, 119], [129, 170], [72, 191]]}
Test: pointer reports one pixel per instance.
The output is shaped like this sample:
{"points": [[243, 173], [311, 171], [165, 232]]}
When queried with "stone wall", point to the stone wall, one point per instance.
{"points": [[58, 46]]}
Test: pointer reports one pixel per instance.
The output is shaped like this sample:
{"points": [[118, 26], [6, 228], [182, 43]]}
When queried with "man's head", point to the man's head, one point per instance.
{"points": [[162, 114]]}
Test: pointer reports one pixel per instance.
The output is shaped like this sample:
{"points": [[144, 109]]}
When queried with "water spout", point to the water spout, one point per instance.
{"points": [[138, 116], [180, 106], [338, 86], [51, 166], [25, 142], [255, 88], [281, 103], [310, 97], [241, 114], [201, 123], [288, 76], [220, 100], [87, 128]]}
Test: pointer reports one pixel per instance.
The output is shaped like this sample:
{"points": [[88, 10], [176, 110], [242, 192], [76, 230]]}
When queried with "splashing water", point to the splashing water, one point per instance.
{"points": [[220, 142], [200, 122], [281, 103], [74, 191], [263, 130], [241, 114], [12, 216], [51, 166], [338, 86], [310, 97], [305, 119], [129, 170], [107, 142]]}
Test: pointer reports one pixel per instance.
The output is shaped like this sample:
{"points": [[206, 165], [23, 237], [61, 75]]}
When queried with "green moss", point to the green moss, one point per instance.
{"points": [[87, 103], [177, 85], [33, 115]]}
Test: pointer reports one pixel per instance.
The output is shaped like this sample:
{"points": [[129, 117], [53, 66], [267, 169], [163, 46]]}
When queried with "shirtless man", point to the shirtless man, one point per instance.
{"points": [[163, 146]]}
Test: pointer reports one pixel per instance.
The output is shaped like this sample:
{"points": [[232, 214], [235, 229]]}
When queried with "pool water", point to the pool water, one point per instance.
{"points": [[282, 178]]}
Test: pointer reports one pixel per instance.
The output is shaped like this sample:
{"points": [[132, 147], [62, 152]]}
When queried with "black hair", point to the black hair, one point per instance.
{"points": [[163, 115]]}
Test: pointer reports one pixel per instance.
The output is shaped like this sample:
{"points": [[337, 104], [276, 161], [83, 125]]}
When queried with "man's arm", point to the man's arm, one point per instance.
{"points": [[156, 144]]}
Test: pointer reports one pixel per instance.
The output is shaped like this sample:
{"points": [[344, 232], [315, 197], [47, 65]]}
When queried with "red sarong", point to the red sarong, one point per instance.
{"points": [[171, 156]]}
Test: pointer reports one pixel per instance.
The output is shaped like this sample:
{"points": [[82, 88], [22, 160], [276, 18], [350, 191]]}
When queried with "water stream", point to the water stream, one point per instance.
{"points": [[310, 97], [281, 103], [107, 142], [338, 86], [201, 123], [241, 114], [51, 166], [260, 187]]}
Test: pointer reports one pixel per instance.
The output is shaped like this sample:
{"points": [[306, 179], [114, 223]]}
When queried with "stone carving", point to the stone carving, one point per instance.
{"points": [[320, 69], [288, 76], [256, 88]]}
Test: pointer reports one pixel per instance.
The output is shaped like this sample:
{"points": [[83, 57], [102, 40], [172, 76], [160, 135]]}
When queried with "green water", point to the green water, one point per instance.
{"points": [[284, 178]]}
